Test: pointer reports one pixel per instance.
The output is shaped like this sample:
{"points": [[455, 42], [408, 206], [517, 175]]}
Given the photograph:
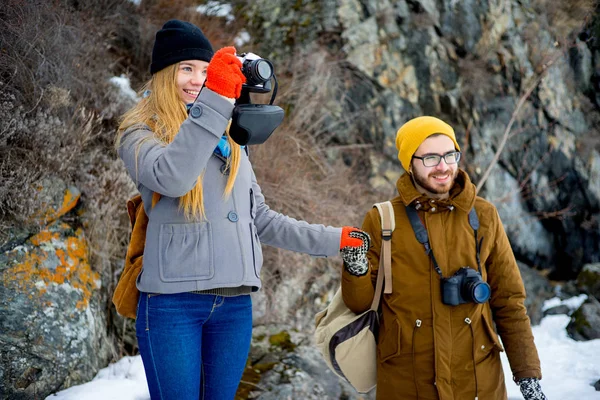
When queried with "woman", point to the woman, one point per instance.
{"points": [[203, 242]]}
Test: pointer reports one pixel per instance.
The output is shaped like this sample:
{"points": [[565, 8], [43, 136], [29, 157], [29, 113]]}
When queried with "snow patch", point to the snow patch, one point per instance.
{"points": [[216, 9], [242, 38], [573, 303], [569, 368], [124, 85]]}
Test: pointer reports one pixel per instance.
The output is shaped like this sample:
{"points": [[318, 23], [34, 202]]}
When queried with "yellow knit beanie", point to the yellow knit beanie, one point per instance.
{"points": [[414, 132]]}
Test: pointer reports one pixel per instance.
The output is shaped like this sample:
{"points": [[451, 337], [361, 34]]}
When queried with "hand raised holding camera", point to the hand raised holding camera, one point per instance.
{"points": [[224, 74]]}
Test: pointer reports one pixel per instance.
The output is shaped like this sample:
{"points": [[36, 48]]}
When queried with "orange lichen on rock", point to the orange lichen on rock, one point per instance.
{"points": [[54, 261], [48, 213], [69, 201], [43, 237]]}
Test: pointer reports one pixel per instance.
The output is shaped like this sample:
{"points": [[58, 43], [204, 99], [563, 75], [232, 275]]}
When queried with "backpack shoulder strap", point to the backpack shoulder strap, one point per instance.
{"points": [[135, 202], [132, 206], [388, 224], [155, 198], [474, 222], [473, 219]]}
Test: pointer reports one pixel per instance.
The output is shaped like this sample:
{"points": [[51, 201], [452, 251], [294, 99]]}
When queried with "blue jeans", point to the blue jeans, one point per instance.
{"points": [[193, 346]]}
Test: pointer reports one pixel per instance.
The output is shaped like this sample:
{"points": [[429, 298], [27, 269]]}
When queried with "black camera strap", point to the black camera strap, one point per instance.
{"points": [[423, 238]]}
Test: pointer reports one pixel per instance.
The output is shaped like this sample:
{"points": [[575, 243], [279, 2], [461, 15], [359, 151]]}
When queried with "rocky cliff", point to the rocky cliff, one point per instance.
{"points": [[517, 79]]}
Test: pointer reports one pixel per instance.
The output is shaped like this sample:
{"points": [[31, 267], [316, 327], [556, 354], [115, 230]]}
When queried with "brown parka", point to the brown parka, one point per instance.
{"points": [[429, 350]]}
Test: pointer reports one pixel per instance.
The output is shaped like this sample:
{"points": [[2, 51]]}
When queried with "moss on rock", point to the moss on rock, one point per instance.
{"points": [[282, 340]]}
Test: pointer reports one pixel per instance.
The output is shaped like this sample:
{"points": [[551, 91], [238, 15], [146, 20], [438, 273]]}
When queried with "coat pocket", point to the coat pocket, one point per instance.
{"points": [[389, 340], [486, 341], [257, 255], [491, 332], [186, 252], [253, 206]]}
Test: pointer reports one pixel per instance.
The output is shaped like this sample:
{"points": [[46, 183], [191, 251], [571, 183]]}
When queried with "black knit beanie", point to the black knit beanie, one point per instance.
{"points": [[178, 41]]}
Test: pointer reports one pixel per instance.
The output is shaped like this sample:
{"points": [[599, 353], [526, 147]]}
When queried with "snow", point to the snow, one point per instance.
{"points": [[124, 85], [124, 380], [217, 9], [573, 303], [242, 38], [569, 368]]}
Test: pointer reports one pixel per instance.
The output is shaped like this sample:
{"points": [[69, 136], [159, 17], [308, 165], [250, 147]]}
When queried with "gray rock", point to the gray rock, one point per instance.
{"points": [[585, 322], [53, 334], [528, 236], [538, 290], [588, 280], [290, 367], [562, 309], [580, 58]]}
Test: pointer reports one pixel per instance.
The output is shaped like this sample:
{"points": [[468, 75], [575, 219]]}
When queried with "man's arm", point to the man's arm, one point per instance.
{"points": [[508, 306], [358, 290]]}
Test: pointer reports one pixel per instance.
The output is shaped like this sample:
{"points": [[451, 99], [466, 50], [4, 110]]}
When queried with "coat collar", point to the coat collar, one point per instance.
{"points": [[462, 195]]}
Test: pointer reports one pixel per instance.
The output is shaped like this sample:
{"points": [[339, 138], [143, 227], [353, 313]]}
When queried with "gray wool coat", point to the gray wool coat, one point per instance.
{"points": [[223, 250]]}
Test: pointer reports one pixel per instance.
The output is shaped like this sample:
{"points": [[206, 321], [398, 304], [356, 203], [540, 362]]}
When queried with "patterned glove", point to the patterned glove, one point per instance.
{"points": [[531, 389], [353, 248], [224, 73]]}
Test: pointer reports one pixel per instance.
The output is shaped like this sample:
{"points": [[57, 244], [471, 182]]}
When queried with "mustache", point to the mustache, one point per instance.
{"points": [[447, 172]]}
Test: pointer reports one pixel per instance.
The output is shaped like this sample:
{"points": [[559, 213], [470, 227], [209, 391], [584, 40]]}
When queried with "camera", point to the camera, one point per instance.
{"points": [[465, 286], [254, 123], [258, 72]]}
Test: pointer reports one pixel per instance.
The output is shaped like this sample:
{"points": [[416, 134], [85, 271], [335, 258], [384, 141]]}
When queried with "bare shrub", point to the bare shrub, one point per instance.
{"points": [[566, 18], [39, 48], [299, 176], [57, 119]]}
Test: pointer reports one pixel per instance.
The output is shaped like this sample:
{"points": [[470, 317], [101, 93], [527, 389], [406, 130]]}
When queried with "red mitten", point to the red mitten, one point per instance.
{"points": [[224, 73], [350, 241]]}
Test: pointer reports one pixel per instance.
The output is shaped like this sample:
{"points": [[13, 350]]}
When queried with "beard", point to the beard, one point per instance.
{"points": [[429, 184]]}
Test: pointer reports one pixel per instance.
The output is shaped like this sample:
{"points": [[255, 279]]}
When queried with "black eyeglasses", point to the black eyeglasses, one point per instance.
{"points": [[431, 160]]}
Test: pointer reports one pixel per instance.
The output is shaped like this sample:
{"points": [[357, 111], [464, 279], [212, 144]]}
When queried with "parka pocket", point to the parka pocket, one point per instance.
{"points": [[486, 340], [186, 252], [491, 332], [389, 340], [257, 256], [252, 204]]}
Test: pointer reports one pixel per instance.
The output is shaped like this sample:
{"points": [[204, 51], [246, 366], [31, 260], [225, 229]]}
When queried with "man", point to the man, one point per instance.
{"points": [[437, 338]]}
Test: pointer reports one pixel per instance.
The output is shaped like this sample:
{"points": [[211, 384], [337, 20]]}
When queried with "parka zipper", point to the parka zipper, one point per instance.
{"points": [[468, 322], [417, 326]]}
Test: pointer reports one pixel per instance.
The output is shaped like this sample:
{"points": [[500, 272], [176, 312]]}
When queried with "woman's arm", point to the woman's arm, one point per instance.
{"points": [[278, 230], [173, 169]]}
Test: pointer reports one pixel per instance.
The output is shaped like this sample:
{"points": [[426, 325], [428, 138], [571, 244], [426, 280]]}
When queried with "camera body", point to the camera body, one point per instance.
{"points": [[254, 123], [465, 286], [258, 72]]}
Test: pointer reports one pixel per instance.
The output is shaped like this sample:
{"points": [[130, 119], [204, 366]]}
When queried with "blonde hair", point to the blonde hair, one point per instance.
{"points": [[164, 112]]}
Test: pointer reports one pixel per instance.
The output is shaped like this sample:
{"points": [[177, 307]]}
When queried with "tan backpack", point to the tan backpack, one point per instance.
{"points": [[347, 341], [126, 295]]}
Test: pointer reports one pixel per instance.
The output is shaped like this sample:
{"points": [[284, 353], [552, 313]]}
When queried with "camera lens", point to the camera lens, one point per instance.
{"points": [[258, 71], [263, 70], [480, 291]]}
